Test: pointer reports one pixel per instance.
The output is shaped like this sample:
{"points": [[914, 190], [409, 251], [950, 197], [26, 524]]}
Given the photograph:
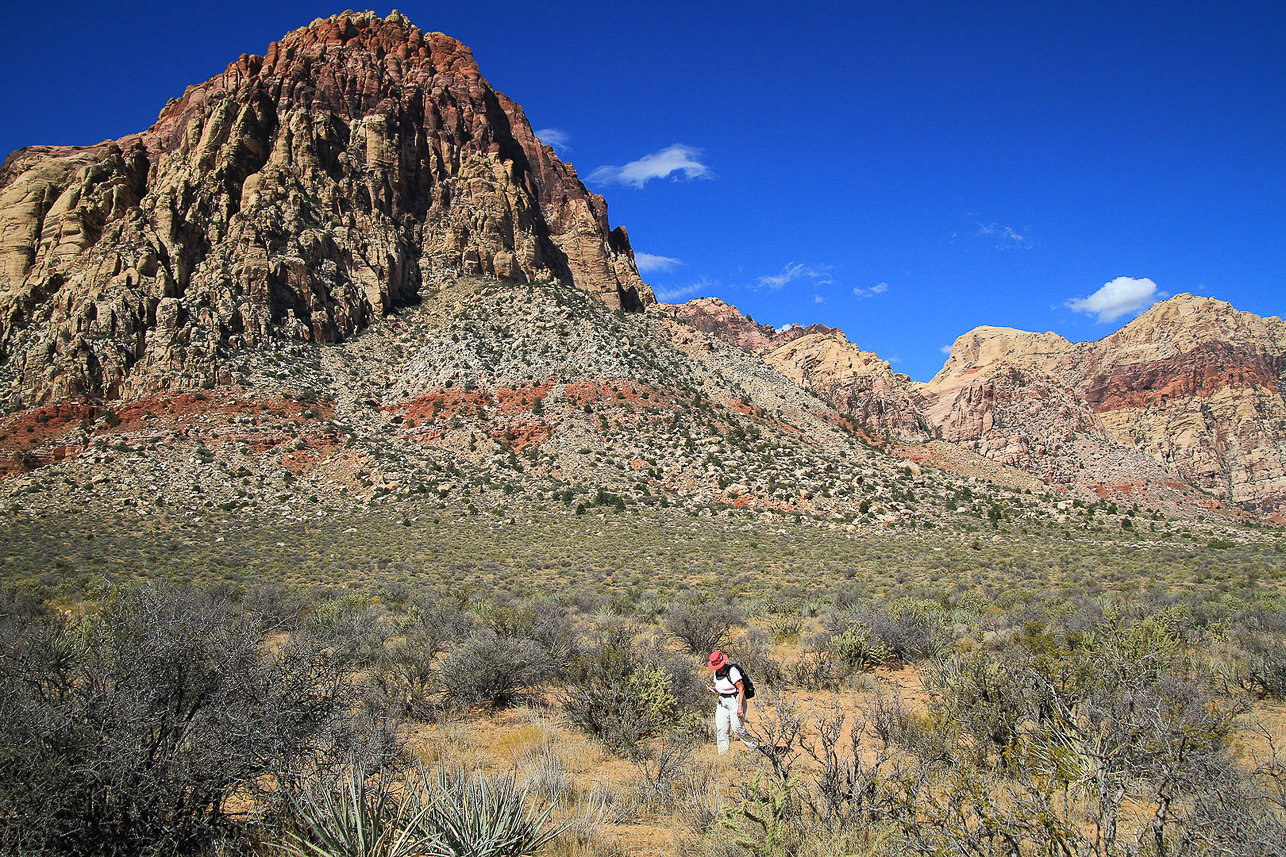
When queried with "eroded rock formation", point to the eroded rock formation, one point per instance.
{"points": [[294, 196], [1190, 392]]}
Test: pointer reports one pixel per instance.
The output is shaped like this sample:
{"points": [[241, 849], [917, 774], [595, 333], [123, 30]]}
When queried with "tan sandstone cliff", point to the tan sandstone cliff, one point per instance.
{"points": [[294, 196]]}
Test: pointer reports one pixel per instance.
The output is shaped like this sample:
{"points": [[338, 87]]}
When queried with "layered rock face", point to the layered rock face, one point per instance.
{"points": [[295, 196], [1192, 388]]}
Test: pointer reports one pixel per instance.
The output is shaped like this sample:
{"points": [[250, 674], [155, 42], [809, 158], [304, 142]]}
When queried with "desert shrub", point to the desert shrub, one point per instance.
{"points": [[702, 626], [620, 694], [406, 675], [274, 604], [753, 651], [1261, 669], [543, 621], [492, 669], [349, 621], [128, 731], [988, 697], [789, 808], [661, 767], [910, 628], [817, 667]]}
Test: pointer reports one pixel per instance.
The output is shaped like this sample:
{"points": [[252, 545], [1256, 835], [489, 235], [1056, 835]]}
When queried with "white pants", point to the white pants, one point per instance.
{"points": [[726, 721]]}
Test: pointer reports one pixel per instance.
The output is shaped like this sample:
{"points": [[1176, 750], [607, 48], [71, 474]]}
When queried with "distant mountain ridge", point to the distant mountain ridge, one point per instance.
{"points": [[1191, 391]]}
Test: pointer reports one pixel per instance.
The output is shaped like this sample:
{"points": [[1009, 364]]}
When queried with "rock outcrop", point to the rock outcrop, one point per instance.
{"points": [[295, 196]]}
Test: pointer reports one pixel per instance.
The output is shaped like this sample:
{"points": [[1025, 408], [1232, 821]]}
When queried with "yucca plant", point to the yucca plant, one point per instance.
{"points": [[475, 815], [358, 818]]}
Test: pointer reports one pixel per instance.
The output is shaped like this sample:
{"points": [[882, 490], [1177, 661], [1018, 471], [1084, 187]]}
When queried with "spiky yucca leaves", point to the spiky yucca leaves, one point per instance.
{"points": [[359, 817], [433, 814], [475, 815]]}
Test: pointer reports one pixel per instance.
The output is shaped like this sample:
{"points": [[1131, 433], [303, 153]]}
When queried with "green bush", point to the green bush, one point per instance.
{"points": [[620, 694]]}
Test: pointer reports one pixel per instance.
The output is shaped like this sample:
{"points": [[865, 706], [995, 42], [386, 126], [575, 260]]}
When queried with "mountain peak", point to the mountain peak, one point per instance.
{"points": [[295, 196]]}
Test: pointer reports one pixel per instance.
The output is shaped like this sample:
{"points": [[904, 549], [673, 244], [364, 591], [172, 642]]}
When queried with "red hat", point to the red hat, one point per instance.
{"points": [[717, 660]]}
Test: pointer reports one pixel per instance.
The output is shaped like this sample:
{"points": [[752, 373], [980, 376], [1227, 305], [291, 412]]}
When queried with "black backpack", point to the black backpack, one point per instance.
{"points": [[745, 677]]}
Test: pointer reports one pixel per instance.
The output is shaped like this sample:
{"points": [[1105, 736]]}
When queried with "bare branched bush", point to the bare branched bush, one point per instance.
{"points": [[817, 667], [129, 731], [661, 764], [702, 627], [753, 652]]}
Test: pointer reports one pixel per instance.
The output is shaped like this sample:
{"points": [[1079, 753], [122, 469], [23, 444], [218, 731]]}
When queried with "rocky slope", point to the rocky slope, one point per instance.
{"points": [[296, 196], [489, 396], [1192, 388]]}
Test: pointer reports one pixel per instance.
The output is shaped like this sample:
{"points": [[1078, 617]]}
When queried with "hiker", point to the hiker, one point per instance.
{"points": [[730, 683]]}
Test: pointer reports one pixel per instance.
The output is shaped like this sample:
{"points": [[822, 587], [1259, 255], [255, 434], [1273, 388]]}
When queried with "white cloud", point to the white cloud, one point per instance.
{"points": [[648, 263], [556, 137], [818, 299], [895, 359], [1118, 297], [946, 349], [794, 271], [669, 296], [658, 165], [877, 289], [1006, 237]]}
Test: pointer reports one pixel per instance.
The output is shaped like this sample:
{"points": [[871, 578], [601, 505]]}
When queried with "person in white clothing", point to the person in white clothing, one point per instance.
{"points": [[730, 685]]}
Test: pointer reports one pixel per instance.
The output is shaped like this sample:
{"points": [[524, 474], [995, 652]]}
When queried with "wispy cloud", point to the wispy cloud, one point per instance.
{"points": [[818, 299], [658, 165], [669, 296], [556, 137], [946, 349], [795, 271], [1118, 297], [1005, 237], [648, 263], [877, 289]]}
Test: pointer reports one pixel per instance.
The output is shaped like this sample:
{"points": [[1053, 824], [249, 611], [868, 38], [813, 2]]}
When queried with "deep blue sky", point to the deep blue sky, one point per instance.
{"points": [[904, 171]]}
